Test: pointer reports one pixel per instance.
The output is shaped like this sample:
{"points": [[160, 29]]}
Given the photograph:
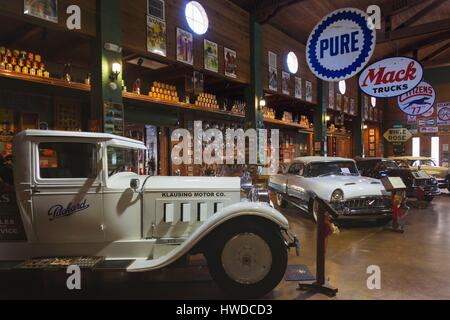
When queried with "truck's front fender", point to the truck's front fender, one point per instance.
{"points": [[247, 209]]}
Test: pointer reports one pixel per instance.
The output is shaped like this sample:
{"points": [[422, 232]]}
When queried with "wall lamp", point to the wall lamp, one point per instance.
{"points": [[365, 127], [327, 118], [116, 69], [262, 102]]}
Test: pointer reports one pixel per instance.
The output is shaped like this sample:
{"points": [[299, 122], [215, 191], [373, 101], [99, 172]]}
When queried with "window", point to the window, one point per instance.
{"points": [[67, 160], [292, 62], [322, 169], [156, 9], [435, 149], [122, 159], [342, 87], [295, 168], [196, 17], [416, 147]]}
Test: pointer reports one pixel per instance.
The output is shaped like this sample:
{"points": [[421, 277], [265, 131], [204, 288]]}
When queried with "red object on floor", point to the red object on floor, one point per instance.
{"points": [[396, 201], [420, 193]]}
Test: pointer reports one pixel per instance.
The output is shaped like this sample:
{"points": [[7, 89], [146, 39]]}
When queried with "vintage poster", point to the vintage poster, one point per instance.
{"points": [[211, 56], [43, 9], [230, 63], [331, 95], [353, 107], [308, 91], [156, 36], [156, 9], [338, 104], [298, 88], [443, 114], [114, 118], [286, 83], [185, 46], [273, 79], [346, 108]]}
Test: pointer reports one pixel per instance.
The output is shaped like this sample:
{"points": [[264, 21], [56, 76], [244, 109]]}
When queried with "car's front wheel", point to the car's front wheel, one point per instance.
{"points": [[248, 259]]}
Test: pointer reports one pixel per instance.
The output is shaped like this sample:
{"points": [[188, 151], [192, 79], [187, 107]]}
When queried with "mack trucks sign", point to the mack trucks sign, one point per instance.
{"points": [[397, 135], [418, 101], [340, 45], [391, 77]]}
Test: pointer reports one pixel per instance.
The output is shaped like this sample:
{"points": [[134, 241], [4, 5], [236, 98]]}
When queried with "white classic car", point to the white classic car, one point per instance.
{"points": [[335, 180], [80, 195]]}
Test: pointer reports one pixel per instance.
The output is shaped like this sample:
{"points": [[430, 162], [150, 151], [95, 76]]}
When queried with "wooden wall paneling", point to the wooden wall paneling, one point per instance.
{"points": [[88, 15], [281, 44], [228, 27]]}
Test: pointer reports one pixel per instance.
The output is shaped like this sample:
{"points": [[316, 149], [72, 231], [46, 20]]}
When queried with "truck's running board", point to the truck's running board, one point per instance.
{"points": [[53, 263]]}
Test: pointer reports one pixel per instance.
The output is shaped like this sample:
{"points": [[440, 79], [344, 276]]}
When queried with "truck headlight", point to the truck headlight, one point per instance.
{"points": [[337, 196], [259, 194]]}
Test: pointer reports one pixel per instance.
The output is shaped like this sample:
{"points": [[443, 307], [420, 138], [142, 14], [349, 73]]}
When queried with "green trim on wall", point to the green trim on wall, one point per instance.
{"points": [[320, 122]]}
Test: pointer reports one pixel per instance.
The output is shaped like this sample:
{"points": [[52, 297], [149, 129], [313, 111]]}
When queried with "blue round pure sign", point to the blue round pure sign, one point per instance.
{"points": [[340, 45]]}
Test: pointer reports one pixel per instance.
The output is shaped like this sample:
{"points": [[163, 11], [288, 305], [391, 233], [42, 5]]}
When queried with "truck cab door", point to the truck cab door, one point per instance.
{"points": [[66, 191]]}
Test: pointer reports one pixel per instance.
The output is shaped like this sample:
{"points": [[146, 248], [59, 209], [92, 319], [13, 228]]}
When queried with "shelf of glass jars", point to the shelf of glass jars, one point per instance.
{"points": [[178, 104], [44, 80], [288, 124]]}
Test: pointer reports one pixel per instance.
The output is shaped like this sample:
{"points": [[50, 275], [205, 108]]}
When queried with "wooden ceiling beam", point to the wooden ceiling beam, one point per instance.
{"points": [[436, 63], [398, 6], [436, 52], [421, 13], [432, 40], [265, 10], [414, 31]]}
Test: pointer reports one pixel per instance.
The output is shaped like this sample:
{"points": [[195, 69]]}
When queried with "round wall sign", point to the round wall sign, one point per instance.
{"points": [[391, 77], [418, 101], [340, 45]]}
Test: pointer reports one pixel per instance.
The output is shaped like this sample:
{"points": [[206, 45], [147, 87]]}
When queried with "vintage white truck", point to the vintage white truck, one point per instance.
{"points": [[80, 194]]}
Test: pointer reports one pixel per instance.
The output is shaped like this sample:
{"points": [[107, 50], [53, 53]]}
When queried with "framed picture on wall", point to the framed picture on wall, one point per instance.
{"points": [[273, 79], [352, 107], [338, 105], [211, 55], [185, 46], [331, 95], [346, 105], [43, 9], [156, 9], [298, 88], [230, 63], [156, 36], [273, 59], [308, 91], [286, 79]]}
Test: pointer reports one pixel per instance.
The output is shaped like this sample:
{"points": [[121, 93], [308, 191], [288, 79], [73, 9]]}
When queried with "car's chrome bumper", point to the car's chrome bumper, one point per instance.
{"points": [[363, 214], [442, 183]]}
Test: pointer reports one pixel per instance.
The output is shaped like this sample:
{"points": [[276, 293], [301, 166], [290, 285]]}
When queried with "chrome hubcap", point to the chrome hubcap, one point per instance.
{"points": [[246, 258]]}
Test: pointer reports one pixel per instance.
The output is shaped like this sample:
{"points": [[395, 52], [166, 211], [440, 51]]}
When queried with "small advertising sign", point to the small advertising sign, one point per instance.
{"points": [[391, 77], [418, 101], [443, 114], [428, 129], [397, 135]]}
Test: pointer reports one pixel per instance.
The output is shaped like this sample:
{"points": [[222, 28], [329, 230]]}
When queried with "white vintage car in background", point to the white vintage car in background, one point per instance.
{"points": [[80, 195], [335, 180]]}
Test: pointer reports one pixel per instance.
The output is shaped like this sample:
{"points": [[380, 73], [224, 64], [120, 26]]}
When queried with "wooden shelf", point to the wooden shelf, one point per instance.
{"points": [[46, 81], [339, 134], [287, 124], [179, 105]]}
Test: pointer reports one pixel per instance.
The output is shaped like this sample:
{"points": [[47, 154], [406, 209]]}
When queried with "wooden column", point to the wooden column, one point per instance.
{"points": [[254, 92], [109, 30], [320, 122]]}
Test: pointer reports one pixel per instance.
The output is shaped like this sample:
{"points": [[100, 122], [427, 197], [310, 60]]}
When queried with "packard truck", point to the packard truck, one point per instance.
{"points": [[80, 195]]}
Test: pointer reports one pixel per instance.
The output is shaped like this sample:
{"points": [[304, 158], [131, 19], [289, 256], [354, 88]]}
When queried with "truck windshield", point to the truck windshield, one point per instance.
{"points": [[322, 169], [122, 159]]}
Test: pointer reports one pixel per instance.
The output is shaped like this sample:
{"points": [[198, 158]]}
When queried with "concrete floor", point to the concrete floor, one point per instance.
{"points": [[414, 265]]}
